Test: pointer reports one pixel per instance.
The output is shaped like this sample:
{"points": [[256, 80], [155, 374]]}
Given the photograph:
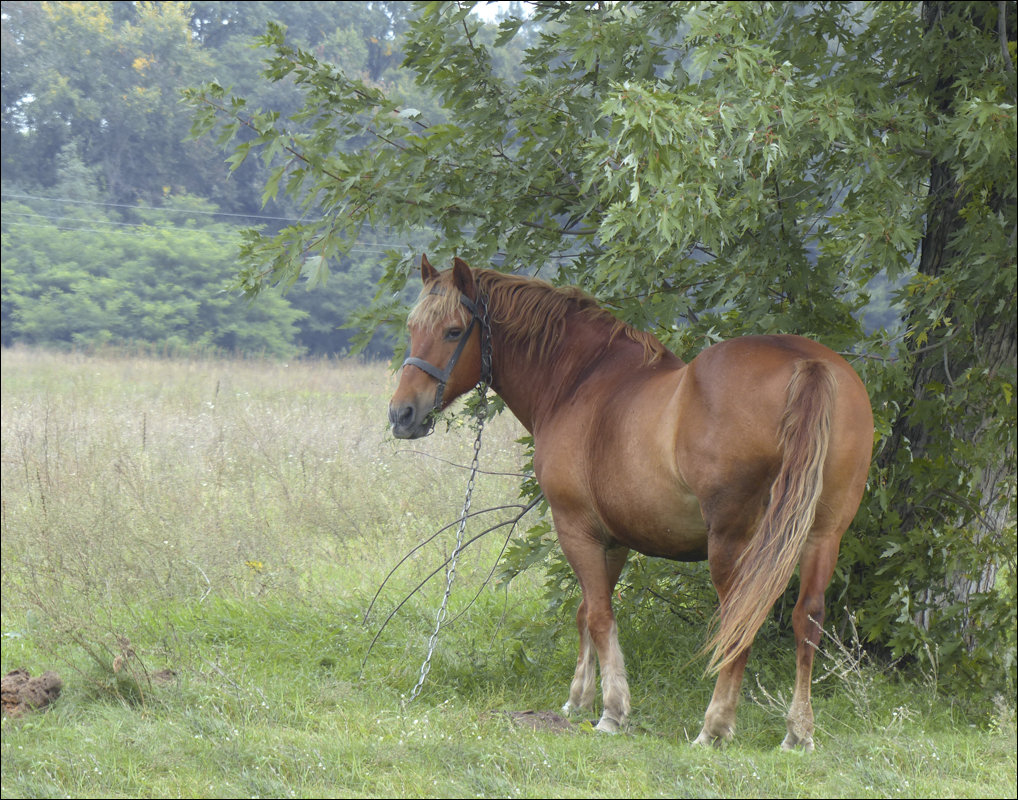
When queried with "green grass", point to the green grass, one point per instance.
{"points": [[192, 545]]}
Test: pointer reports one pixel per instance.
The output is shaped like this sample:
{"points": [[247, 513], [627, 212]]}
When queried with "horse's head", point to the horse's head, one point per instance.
{"points": [[447, 330]]}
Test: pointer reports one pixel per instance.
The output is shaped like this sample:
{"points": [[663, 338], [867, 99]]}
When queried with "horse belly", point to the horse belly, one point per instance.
{"points": [[644, 502], [656, 521]]}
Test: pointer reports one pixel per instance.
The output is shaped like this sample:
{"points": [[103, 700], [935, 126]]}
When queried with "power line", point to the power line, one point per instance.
{"points": [[146, 230], [61, 219], [61, 224], [13, 196], [379, 244]]}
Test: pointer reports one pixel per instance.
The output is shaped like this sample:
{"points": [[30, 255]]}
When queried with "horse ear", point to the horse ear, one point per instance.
{"points": [[463, 277], [428, 272]]}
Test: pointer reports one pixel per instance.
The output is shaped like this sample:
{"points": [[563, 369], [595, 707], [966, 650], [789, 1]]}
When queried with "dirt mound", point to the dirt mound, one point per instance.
{"points": [[537, 720], [21, 693]]}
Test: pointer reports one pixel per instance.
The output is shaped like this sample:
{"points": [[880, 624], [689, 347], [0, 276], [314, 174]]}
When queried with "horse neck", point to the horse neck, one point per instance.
{"points": [[533, 386]]}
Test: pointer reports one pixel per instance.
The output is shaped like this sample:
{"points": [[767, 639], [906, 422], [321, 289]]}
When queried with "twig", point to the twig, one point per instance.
{"points": [[208, 583], [440, 567], [1002, 34], [418, 546], [501, 552], [465, 466]]}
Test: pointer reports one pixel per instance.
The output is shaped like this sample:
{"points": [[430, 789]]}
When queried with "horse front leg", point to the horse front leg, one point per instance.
{"points": [[598, 570], [581, 690], [614, 684]]}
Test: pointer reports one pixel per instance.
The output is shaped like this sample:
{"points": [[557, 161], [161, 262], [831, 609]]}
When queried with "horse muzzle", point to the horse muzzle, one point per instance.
{"points": [[410, 422]]}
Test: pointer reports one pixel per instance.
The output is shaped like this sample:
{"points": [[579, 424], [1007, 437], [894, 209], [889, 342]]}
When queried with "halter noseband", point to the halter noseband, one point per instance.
{"points": [[479, 314]]}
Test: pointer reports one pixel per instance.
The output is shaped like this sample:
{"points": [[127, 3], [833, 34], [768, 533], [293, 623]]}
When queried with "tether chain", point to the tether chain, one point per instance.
{"points": [[482, 413]]}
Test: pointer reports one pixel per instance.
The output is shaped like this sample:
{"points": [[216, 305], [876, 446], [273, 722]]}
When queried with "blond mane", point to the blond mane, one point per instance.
{"points": [[530, 311]]}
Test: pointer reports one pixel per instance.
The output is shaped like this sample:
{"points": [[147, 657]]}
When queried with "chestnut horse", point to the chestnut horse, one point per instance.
{"points": [[753, 456]]}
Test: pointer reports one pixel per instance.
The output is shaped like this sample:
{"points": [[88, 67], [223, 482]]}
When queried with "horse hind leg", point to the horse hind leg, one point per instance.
{"points": [[719, 718], [816, 566], [815, 570]]}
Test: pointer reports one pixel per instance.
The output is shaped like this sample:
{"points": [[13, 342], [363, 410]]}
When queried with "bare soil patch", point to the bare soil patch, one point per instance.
{"points": [[21, 693]]}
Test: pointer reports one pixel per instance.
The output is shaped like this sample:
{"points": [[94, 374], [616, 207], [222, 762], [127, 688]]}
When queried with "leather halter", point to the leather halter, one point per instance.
{"points": [[479, 314]]}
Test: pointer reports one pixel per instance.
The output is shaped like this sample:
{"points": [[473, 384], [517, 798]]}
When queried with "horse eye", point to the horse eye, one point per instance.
{"points": [[453, 333]]}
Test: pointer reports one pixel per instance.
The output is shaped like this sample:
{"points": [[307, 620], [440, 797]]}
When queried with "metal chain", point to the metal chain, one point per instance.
{"points": [[482, 413]]}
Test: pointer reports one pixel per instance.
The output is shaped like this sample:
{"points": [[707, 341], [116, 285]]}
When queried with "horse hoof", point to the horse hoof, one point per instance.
{"points": [[794, 744], [607, 725], [709, 740]]}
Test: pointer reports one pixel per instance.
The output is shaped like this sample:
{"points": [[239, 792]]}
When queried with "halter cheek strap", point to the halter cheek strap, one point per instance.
{"points": [[443, 375]]}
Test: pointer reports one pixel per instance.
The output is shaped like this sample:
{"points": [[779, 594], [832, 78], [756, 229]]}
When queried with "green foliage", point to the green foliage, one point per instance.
{"points": [[106, 77], [74, 275], [88, 74]]}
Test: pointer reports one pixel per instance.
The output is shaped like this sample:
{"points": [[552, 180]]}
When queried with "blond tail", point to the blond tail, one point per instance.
{"points": [[765, 566]]}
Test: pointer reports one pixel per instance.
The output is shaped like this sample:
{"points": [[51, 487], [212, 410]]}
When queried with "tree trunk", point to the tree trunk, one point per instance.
{"points": [[990, 345]]}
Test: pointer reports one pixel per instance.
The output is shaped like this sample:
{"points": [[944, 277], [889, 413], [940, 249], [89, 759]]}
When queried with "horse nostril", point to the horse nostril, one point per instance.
{"points": [[401, 415]]}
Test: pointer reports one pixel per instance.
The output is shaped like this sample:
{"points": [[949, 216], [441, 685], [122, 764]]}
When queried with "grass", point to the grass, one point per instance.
{"points": [[192, 545]]}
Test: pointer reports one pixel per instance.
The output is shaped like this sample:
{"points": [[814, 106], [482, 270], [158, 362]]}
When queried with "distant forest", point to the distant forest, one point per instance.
{"points": [[120, 230]]}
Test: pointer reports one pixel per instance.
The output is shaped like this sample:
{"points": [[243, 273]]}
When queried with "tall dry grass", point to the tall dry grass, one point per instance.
{"points": [[133, 484]]}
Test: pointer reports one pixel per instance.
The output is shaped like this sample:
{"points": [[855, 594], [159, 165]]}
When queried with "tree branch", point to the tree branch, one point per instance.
{"points": [[560, 231], [1002, 34]]}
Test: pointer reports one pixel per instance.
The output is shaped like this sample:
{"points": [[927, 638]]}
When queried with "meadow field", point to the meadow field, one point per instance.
{"points": [[193, 544]]}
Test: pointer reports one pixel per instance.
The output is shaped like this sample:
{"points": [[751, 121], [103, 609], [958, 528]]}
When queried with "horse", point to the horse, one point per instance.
{"points": [[753, 456]]}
